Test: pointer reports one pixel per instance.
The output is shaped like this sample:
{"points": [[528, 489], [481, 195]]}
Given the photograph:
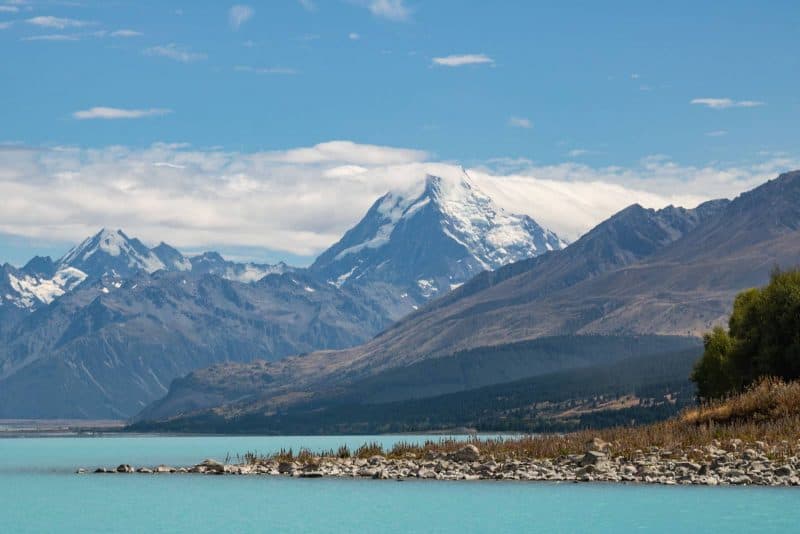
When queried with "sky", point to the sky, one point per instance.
{"points": [[266, 129]]}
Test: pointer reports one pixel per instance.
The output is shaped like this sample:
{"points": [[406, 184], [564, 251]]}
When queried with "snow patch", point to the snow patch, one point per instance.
{"points": [[427, 287], [343, 278], [31, 289]]}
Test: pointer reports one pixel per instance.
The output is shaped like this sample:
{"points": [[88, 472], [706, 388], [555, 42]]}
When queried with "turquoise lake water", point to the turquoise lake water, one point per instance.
{"points": [[39, 492]]}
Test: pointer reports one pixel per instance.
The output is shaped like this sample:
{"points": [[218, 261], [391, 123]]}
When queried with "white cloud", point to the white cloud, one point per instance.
{"points": [[57, 22], [717, 133], [520, 122], [389, 9], [125, 33], [578, 152], [724, 103], [168, 164], [9, 9], [175, 52], [53, 37], [353, 36], [264, 70], [238, 15], [119, 113], [302, 200], [461, 60], [308, 5]]}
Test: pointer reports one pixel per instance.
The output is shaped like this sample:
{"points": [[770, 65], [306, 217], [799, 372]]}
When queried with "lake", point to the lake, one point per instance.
{"points": [[39, 492]]}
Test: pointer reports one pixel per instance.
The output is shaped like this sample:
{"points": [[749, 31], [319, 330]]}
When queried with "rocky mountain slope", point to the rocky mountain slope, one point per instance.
{"points": [[108, 348], [667, 272]]}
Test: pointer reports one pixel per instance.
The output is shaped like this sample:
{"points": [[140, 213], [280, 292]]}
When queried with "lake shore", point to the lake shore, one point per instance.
{"points": [[718, 464]]}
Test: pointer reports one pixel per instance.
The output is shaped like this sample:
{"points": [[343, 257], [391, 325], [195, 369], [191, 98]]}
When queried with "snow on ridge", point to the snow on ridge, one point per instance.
{"points": [[182, 264], [32, 289], [392, 208], [251, 272]]}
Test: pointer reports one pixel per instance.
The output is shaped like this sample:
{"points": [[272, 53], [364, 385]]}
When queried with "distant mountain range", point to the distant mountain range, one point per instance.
{"points": [[113, 255], [103, 330], [664, 273]]}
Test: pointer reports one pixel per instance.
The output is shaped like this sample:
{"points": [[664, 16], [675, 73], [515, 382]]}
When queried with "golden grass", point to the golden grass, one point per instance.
{"points": [[769, 412]]}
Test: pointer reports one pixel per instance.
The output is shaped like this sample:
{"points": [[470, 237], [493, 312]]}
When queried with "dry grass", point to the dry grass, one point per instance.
{"points": [[769, 400], [769, 412]]}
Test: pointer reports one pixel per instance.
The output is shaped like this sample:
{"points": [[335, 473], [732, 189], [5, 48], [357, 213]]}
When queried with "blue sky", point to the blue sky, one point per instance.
{"points": [[600, 86]]}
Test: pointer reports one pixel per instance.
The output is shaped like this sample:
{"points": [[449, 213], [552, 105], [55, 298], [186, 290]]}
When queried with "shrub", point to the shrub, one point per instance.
{"points": [[763, 339]]}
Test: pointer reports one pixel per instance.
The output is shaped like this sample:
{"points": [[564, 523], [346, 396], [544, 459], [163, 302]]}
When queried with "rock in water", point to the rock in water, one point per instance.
{"points": [[124, 468], [213, 466]]}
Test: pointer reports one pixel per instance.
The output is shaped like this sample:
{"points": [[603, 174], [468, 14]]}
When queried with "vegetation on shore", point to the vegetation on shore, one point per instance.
{"points": [[767, 412], [763, 339]]}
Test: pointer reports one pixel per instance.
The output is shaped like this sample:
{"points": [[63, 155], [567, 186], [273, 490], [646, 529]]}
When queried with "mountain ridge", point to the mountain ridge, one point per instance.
{"points": [[665, 272]]}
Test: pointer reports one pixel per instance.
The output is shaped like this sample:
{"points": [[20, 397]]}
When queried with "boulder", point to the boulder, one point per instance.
{"points": [[593, 458], [691, 466], [124, 468], [212, 466], [286, 467], [784, 471], [164, 469], [468, 453], [597, 445]]}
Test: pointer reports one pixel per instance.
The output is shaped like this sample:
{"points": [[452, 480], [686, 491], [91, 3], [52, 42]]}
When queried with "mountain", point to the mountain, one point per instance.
{"points": [[108, 348], [629, 388], [414, 246], [665, 272]]}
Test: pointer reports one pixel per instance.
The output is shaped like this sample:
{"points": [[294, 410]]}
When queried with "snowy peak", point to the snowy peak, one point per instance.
{"points": [[493, 236], [432, 239], [111, 252]]}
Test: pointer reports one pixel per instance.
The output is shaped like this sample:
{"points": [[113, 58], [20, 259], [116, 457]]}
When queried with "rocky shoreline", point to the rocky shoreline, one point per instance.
{"points": [[712, 465]]}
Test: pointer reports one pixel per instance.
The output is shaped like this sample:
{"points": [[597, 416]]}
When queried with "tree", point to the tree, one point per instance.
{"points": [[763, 339]]}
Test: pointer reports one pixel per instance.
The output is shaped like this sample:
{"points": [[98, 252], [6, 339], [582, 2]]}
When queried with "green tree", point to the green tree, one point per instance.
{"points": [[763, 339]]}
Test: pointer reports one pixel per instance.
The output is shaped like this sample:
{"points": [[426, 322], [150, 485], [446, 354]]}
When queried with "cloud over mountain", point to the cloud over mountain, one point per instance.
{"points": [[300, 200]]}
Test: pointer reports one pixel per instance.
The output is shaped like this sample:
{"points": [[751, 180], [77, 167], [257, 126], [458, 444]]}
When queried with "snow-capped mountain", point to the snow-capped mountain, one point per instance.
{"points": [[112, 253], [111, 256], [430, 242]]}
